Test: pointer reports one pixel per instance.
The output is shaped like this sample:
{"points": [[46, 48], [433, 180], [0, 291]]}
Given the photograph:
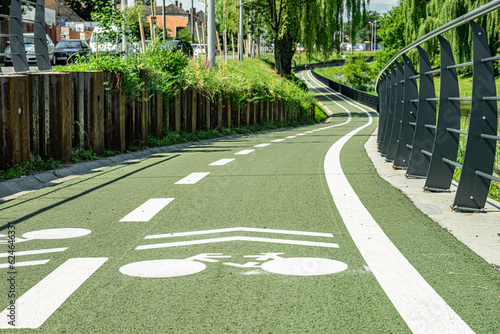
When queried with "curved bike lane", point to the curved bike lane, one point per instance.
{"points": [[238, 235]]}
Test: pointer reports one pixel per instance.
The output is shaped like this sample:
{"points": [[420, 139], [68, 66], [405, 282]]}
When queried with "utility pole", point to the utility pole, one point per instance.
{"points": [[240, 48], [192, 22], [211, 32], [124, 36], [164, 23]]}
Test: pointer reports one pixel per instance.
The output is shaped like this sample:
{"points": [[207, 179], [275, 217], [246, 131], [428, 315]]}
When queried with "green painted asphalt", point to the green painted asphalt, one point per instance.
{"points": [[280, 186]]}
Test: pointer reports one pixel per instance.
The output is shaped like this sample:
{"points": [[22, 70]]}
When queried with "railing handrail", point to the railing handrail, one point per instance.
{"points": [[481, 11]]}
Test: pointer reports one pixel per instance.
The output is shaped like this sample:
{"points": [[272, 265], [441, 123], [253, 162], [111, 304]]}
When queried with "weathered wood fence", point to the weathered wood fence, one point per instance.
{"points": [[48, 114]]}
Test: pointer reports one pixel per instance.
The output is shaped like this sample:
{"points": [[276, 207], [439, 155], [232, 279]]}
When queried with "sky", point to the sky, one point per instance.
{"points": [[382, 6]]}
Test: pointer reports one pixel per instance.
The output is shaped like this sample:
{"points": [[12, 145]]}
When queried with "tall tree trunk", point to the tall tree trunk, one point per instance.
{"points": [[283, 53]]}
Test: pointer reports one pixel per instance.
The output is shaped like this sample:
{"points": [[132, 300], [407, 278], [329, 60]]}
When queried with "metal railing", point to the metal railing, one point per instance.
{"points": [[425, 143], [16, 37]]}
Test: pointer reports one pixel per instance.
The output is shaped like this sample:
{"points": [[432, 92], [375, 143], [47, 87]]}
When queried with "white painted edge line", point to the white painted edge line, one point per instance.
{"points": [[37, 304], [33, 252], [277, 140], [423, 310], [21, 193], [23, 264], [147, 210], [262, 145], [221, 162], [244, 152], [192, 178], [291, 137], [238, 238], [300, 134], [239, 229]]}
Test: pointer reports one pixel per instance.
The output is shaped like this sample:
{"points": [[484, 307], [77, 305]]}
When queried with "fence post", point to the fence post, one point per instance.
{"points": [[423, 141], [479, 156], [398, 114], [446, 142], [194, 111], [114, 115], [14, 120], [178, 100], [390, 111]]}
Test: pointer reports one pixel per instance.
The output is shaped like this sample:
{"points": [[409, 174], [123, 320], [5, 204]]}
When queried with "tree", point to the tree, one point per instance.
{"points": [[84, 9], [312, 22]]}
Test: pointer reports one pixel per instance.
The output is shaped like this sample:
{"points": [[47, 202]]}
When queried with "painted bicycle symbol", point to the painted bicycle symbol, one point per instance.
{"points": [[266, 262]]}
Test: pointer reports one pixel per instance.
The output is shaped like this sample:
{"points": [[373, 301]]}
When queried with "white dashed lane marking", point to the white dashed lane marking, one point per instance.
{"points": [[192, 178], [221, 162], [244, 152], [147, 210]]}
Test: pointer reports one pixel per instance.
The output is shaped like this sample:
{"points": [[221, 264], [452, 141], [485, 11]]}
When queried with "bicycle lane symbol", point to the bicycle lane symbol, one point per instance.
{"points": [[35, 306], [269, 262]]}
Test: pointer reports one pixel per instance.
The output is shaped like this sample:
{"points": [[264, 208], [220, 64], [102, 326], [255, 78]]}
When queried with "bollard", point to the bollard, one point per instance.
{"points": [[14, 120]]}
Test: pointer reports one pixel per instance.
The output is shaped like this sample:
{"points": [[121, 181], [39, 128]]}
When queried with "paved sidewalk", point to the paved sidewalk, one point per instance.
{"points": [[479, 231]]}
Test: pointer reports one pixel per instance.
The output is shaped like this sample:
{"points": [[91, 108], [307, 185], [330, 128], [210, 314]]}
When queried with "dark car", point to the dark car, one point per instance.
{"points": [[179, 45], [67, 49]]}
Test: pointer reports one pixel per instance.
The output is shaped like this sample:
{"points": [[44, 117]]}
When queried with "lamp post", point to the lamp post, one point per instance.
{"points": [[211, 32], [375, 36], [240, 48]]}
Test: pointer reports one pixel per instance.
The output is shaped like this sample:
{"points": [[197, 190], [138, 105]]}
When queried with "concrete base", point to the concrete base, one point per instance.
{"points": [[479, 231]]}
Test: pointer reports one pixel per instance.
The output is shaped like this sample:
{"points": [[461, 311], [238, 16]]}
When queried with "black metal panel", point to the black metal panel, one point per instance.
{"points": [[398, 111], [41, 50], [390, 112], [381, 96], [423, 139], [479, 156], [446, 142], [16, 38], [409, 115], [384, 111]]}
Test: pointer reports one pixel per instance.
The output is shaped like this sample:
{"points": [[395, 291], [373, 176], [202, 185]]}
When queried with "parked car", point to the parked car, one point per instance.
{"points": [[104, 40], [29, 45], [179, 45], [66, 50], [197, 51]]}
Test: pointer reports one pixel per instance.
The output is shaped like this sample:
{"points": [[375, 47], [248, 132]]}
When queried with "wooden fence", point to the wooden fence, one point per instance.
{"points": [[48, 114]]}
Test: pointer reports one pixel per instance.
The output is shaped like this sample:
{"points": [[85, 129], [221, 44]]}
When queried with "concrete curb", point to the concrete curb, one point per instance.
{"points": [[479, 231]]}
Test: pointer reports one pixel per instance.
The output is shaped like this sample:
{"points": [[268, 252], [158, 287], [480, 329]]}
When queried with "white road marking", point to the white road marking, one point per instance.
{"points": [[300, 134], [291, 137], [239, 229], [262, 145], [244, 152], [22, 264], [277, 140], [147, 210], [57, 233], [33, 252], [162, 268], [221, 162], [37, 304], [304, 266], [192, 178], [423, 310], [237, 238]]}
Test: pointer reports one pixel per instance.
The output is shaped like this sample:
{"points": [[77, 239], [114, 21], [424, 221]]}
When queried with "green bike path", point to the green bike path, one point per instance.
{"points": [[252, 243]]}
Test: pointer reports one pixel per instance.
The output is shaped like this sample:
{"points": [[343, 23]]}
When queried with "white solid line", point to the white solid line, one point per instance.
{"points": [[192, 178], [221, 162], [262, 145], [423, 310], [244, 152], [147, 210], [277, 140], [238, 238], [239, 229], [32, 252], [23, 264], [37, 304]]}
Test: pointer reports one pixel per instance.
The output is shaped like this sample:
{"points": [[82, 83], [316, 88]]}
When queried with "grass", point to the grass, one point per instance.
{"points": [[35, 164]]}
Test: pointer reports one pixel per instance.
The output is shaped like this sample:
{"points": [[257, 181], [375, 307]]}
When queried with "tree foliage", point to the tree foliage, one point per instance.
{"points": [[413, 19]]}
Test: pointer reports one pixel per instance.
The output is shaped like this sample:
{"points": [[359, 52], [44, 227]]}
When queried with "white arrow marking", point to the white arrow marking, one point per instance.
{"points": [[36, 305], [148, 210], [238, 238], [192, 178], [239, 229]]}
